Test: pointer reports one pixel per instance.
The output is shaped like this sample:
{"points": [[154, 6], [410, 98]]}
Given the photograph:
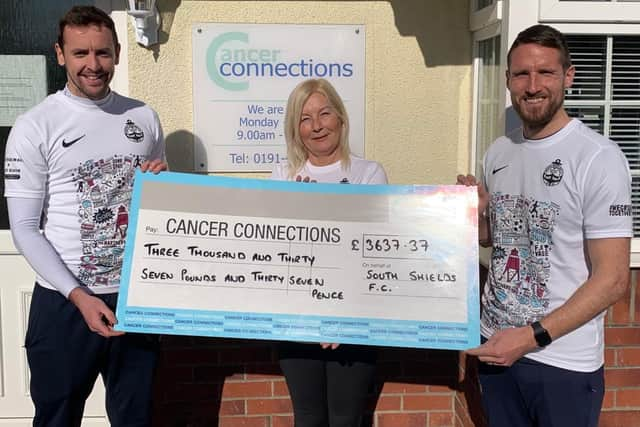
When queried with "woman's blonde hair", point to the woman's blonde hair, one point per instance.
{"points": [[296, 151]]}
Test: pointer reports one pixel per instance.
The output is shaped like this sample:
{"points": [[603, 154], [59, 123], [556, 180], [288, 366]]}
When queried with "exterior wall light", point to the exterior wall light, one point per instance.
{"points": [[146, 20]]}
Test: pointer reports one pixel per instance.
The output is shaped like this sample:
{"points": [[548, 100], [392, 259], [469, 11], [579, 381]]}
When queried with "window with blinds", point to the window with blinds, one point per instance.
{"points": [[606, 96]]}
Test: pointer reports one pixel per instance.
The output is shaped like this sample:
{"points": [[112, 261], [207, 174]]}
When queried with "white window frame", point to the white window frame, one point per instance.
{"points": [[486, 33], [589, 11], [485, 24], [486, 16]]}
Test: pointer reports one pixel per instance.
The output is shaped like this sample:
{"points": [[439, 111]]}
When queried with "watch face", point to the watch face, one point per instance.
{"points": [[543, 339], [540, 334]]}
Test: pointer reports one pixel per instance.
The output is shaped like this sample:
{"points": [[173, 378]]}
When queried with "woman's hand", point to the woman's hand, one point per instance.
{"points": [[326, 345], [155, 166], [299, 178]]}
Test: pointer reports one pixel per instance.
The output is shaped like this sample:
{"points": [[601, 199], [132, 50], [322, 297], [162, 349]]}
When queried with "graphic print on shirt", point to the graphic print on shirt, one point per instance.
{"points": [[522, 233], [133, 132], [103, 194]]}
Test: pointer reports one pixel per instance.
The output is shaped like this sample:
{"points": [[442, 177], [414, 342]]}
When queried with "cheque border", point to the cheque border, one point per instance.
{"points": [[292, 327]]}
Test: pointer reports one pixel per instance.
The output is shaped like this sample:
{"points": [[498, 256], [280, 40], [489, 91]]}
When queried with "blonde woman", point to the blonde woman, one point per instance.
{"points": [[328, 383]]}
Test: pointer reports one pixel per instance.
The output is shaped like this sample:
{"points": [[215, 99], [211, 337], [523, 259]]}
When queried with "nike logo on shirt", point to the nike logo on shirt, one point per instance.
{"points": [[496, 170], [66, 144]]}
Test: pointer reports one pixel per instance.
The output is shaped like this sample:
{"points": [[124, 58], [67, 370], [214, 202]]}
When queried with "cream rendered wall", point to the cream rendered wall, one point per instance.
{"points": [[418, 86]]}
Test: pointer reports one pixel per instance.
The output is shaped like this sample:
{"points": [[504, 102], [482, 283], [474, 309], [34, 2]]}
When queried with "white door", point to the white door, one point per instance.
{"points": [[28, 27], [17, 279]]}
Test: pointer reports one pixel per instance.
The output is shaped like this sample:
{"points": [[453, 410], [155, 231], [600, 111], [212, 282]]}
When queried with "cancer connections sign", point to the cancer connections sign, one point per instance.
{"points": [[242, 77]]}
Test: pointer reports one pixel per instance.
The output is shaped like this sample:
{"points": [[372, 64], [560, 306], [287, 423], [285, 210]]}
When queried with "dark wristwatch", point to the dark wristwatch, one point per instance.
{"points": [[540, 334]]}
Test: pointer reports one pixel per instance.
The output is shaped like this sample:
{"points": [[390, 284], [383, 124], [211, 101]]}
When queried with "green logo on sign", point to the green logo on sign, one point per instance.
{"points": [[213, 67]]}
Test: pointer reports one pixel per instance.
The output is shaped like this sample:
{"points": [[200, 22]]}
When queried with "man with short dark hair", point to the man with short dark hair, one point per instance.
{"points": [[555, 204], [72, 160]]}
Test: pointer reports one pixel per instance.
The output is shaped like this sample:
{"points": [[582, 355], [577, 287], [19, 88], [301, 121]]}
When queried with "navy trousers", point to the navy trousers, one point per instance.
{"points": [[533, 394], [65, 359]]}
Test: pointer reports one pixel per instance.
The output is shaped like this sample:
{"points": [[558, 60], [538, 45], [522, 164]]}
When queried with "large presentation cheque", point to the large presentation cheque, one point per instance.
{"points": [[249, 258]]}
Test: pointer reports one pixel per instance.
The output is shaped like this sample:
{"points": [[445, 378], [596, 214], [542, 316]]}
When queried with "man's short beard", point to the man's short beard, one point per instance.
{"points": [[541, 119]]}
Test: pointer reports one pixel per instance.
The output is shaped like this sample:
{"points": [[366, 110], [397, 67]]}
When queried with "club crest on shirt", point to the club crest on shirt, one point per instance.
{"points": [[133, 132], [553, 173]]}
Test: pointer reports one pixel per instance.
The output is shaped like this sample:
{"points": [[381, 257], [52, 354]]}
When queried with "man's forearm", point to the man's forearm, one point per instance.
{"points": [[24, 216]]}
